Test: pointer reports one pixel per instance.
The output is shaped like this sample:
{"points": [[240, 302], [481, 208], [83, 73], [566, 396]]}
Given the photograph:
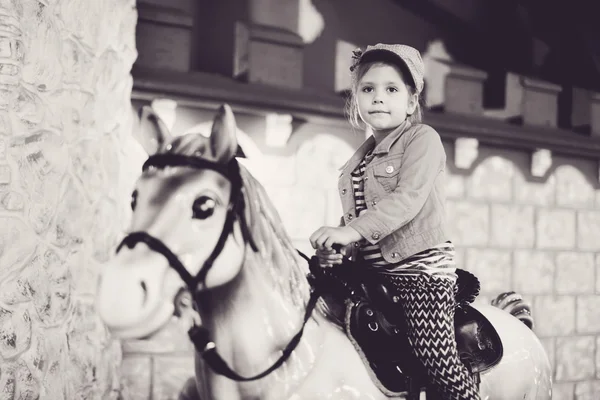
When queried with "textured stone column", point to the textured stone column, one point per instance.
{"points": [[65, 153]]}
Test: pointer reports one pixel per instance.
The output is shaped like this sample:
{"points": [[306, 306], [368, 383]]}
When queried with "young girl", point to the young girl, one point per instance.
{"points": [[392, 192]]}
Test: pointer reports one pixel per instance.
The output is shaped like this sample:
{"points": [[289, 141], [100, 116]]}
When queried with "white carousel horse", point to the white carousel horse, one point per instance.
{"points": [[250, 285]]}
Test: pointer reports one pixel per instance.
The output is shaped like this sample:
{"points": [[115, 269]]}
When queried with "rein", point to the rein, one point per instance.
{"points": [[199, 335]]}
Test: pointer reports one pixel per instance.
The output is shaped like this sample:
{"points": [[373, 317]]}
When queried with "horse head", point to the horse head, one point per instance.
{"points": [[184, 232]]}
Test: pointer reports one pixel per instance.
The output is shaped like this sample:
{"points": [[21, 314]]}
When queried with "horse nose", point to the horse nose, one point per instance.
{"points": [[125, 297]]}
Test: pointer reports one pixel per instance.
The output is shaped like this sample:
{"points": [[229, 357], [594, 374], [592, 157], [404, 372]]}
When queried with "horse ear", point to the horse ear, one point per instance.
{"points": [[223, 140], [153, 132]]}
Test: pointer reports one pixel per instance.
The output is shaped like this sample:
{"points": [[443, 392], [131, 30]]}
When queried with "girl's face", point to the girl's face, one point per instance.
{"points": [[383, 98]]}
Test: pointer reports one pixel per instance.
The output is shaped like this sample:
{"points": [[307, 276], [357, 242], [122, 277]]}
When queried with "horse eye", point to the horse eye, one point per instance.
{"points": [[203, 207], [134, 199]]}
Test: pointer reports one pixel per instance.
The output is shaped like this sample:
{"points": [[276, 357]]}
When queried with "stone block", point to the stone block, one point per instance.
{"points": [[529, 100], [533, 272], [283, 14], [563, 391], [468, 223], [492, 267], [579, 107], [597, 357], [554, 315], [587, 390], [574, 273], [537, 193], [575, 358], [251, 43], [268, 55], [492, 180], [588, 230], [512, 226], [540, 103], [584, 110], [588, 314], [597, 273], [454, 87], [555, 229], [595, 117], [163, 37], [572, 188], [343, 62]]}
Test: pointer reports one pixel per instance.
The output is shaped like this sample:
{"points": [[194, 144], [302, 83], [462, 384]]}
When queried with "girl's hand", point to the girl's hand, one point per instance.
{"points": [[329, 257], [327, 236]]}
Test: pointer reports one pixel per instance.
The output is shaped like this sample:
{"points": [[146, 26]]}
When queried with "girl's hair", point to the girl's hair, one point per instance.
{"points": [[362, 68]]}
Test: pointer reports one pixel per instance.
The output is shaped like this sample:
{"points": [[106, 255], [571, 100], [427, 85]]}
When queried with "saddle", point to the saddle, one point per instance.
{"points": [[375, 325]]}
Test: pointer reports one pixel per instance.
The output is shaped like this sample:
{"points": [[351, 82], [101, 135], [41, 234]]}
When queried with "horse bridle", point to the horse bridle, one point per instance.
{"points": [[199, 335]]}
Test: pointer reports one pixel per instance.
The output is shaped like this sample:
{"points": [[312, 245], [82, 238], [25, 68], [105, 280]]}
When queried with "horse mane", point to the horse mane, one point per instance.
{"points": [[276, 254], [286, 269]]}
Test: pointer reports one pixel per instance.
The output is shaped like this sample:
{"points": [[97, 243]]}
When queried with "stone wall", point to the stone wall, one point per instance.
{"points": [[65, 161], [541, 239]]}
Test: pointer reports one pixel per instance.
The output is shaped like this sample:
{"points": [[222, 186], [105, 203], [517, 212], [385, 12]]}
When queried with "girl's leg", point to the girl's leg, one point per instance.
{"points": [[428, 304]]}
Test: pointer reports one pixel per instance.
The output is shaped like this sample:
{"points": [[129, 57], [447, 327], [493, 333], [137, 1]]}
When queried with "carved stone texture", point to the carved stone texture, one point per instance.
{"points": [[65, 84], [531, 101], [164, 37], [15, 332], [11, 54]]}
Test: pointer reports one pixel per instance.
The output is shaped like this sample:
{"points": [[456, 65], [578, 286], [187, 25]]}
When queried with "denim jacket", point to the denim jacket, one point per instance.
{"points": [[404, 192]]}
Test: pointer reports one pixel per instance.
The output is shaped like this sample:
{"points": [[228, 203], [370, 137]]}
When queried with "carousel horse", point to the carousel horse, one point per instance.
{"points": [[202, 225]]}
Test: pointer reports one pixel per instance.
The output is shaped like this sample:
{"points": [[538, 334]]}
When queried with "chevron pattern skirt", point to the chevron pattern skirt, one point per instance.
{"points": [[428, 304]]}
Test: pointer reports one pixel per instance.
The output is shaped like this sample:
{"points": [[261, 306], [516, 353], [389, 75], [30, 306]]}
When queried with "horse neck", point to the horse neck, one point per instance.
{"points": [[251, 323]]}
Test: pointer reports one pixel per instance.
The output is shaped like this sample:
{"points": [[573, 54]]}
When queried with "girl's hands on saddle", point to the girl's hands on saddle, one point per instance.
{"points": [[326, 238]]}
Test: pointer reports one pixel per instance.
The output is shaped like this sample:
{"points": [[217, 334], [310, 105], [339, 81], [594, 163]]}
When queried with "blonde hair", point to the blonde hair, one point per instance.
{"points": [[359, 72]]}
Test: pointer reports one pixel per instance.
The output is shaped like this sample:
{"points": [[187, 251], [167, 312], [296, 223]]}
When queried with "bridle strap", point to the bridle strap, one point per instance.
{"points": [[158, 246], [200, 336]]}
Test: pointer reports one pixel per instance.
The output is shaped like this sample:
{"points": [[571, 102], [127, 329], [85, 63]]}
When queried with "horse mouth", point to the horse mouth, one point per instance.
{"points": [[145, 328]]}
